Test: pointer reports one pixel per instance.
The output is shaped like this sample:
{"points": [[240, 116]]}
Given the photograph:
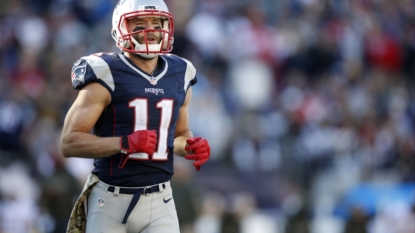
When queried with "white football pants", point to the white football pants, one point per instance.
{"points": [[154, 213]]}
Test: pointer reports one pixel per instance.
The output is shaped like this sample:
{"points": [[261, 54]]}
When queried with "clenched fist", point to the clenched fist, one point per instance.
{"points": [[199, 150], [140, 141]]}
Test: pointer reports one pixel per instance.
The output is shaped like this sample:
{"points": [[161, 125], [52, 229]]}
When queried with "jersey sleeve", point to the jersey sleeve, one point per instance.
{"points": [[92, 69]]}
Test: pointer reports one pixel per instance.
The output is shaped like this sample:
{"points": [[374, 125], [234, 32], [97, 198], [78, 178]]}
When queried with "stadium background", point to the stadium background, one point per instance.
{"points": [[308, 106]]}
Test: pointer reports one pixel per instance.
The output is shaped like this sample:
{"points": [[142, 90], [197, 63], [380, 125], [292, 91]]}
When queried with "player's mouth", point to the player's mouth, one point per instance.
{"points": [[152, 40]]}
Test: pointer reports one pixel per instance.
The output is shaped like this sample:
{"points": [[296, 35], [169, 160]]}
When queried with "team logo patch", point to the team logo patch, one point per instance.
{"points": [[100, 202], [78, 73], [155, 91]]}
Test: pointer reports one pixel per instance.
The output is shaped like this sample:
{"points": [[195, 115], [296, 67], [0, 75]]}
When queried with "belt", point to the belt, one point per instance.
{"points": [[137, 192]]}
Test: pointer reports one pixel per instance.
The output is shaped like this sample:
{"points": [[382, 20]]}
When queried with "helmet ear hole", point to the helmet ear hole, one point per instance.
{"points": [[114, 34]]}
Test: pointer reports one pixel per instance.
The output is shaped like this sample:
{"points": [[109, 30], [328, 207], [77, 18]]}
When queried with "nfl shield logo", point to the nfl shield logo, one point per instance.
{"points": [[100, 202], [153, 81]]}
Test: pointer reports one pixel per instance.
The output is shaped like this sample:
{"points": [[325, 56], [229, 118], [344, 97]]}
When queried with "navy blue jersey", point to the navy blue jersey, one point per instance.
{"points": [[138, 101]]}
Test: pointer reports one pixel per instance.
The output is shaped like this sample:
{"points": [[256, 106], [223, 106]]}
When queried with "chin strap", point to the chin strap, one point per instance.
{"points": [[146, 57]]}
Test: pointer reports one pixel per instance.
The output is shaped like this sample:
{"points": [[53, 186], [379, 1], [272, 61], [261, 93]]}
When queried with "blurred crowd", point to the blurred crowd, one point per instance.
{"points": [[309, 106]]}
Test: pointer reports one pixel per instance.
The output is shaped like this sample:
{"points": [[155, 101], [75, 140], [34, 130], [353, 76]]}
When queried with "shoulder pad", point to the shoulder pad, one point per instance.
{"points": [[190, 76], [89, 69]]}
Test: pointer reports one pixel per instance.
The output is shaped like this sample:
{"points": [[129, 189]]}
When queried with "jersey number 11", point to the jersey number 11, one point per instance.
{"points": [[141, 119]]}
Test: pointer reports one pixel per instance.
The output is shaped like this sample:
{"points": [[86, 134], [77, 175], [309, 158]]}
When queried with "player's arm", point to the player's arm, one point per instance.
{"points": [[76, 139], [183, 131], [192, 148]]}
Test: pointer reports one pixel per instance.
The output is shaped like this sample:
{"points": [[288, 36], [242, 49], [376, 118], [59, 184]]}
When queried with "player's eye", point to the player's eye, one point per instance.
{"points": [[139, 28], [157, 27]]}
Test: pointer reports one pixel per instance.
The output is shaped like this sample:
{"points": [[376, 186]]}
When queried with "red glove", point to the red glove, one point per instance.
{"points": [[200, 151], [141, 141]]}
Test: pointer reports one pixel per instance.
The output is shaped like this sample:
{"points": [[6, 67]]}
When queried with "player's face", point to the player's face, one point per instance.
{"points": [[137, 24]]}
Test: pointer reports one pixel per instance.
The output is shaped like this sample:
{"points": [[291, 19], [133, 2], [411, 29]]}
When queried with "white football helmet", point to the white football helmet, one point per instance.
{"points": [[127, 9]]}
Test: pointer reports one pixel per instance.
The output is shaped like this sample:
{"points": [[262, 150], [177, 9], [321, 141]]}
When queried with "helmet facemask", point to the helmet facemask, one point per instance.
{"points": [[141, 40]]}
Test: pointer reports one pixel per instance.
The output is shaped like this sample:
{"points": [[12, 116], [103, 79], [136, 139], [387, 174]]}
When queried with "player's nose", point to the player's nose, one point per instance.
{"points": [[149, 25]]}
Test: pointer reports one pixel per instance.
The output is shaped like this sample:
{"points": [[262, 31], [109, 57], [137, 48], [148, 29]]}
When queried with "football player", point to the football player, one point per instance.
{"points": [[131, 116]]}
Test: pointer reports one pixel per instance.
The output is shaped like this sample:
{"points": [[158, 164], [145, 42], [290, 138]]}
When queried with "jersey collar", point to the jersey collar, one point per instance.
{"points": [[152, 79]]}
